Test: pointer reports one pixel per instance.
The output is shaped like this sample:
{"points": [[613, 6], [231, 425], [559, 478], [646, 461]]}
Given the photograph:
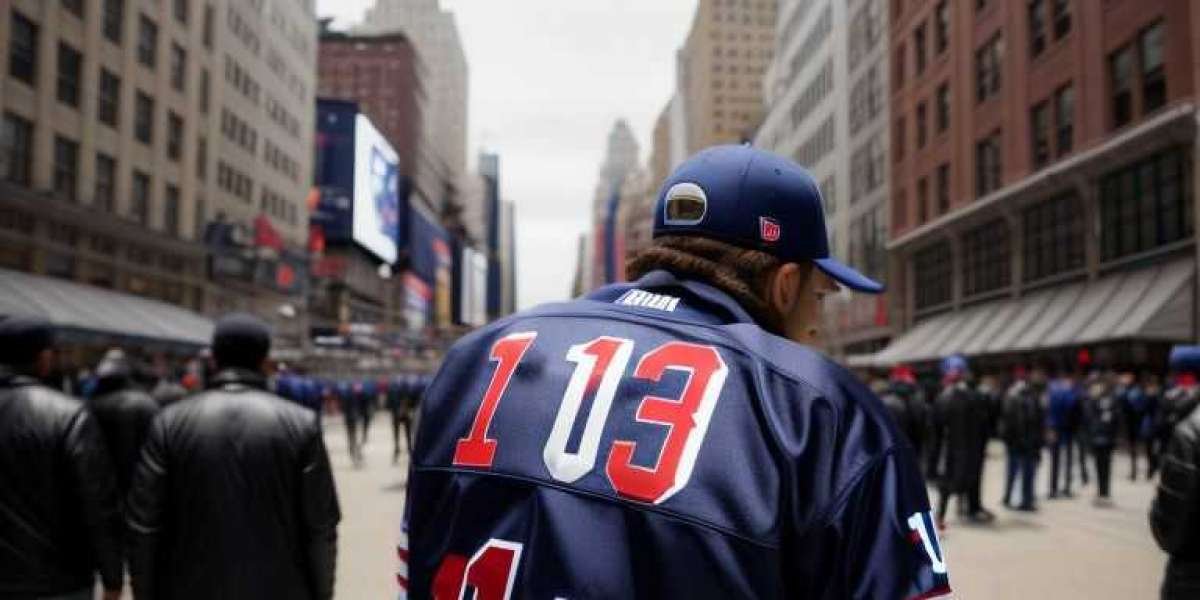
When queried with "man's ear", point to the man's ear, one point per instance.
{"points": [[784, 288]]}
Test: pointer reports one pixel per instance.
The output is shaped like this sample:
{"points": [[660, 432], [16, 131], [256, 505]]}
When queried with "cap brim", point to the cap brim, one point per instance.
{"points": [[848, 276]]}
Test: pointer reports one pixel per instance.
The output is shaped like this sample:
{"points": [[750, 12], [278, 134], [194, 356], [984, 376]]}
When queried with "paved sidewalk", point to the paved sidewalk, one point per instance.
{"points": [[1070, 549]]}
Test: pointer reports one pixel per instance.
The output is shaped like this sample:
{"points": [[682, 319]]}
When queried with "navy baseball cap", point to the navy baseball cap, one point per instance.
{"points": [[753, 199]]}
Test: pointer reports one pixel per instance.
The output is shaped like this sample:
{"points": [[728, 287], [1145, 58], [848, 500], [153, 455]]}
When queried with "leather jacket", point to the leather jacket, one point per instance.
{"points": [[124, 412], [59, 517], [1175, 513], [233, 498]]}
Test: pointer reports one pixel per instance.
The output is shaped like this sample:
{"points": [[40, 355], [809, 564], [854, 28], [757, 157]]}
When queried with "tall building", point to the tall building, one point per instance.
{"points": [[617, 173], [435, 34], [721, 68], [385, 77], [827, 110], [1043, 195], [144, 123]]}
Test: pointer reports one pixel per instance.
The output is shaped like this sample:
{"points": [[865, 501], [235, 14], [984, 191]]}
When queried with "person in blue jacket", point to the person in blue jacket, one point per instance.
{"points": [[1064, 416], [676, 436]]}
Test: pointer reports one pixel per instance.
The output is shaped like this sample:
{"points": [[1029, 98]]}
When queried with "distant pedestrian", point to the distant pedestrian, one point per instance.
{"points": [[1102, 420], [60, 522], [347, 395], [123, 410], [1063, 415], [904, 399], [1175, 513], [1022, 428], [1137, 410], [961, 419], [1153, 390], [233, 495]]}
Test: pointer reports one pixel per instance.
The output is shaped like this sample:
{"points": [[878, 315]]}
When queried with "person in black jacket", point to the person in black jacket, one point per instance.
{"points": [[1102, 420], [1022, 420], [1175, 512], [961, 418], [907, 404], [233, 496], [123, 411], [59, 517]]}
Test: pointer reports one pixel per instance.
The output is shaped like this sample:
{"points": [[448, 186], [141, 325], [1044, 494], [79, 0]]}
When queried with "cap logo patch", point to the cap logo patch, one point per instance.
{"points": [[686, 204], [768, 229]]}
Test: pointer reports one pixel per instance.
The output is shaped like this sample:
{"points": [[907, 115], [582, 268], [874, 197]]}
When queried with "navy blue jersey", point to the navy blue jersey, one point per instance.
{"points": [[650, 441]]}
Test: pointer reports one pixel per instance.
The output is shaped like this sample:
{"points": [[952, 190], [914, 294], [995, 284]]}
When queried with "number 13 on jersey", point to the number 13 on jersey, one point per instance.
{"points": [[599, 366]]}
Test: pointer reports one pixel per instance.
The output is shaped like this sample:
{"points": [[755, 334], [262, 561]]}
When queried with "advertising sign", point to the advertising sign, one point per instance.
{"points": [[376, 192]]}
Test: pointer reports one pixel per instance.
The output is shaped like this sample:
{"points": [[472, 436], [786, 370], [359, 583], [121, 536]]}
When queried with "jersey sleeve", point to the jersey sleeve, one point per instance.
{"points": [[880, 540]]}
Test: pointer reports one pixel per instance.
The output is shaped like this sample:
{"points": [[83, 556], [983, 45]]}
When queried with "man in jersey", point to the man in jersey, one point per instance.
{"points": [[673, 437]]}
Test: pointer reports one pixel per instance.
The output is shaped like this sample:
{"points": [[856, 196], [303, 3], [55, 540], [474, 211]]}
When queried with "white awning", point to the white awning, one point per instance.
{"points": [[1152, 303]]}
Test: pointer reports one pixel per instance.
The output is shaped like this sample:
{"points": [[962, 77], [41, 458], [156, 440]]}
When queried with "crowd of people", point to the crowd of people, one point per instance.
{"points": [[1074, 419], [226, 495]]}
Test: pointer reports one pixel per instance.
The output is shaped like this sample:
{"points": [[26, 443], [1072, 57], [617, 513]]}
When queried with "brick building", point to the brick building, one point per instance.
{"points": [[1043, 193]]}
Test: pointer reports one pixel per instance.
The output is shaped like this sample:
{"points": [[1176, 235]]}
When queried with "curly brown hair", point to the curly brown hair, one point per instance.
{"points": [[740, 272]]}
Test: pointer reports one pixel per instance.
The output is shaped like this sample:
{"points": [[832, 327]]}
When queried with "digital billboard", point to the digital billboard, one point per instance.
{"points": [[376, 192]]}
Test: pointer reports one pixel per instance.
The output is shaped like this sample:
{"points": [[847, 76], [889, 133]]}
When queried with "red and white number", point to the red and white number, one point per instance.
{"points": [[600, 364], [491, 572], [478, 450], [687, 420]]}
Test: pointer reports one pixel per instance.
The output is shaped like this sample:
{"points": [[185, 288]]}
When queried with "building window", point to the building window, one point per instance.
{"points": [[201, 158], [919, 48], [989, 60], [181, 11], [987, 258], [1064, 109], [139, 206], [898, 66], [199, 218], [16, 149], [943, 188], [1154, 78], [143, 119], [941, 27], [204, 91], [1121, 73], [866, 169], [66, 169], [981, 5], [112, 20], [22, 49], [921, 123], [106, 182], [933, 276], [208, 26], [899, 211], [174, 136], [1037, 27], [1062, 17], [171, 210], [943, 107], [109, 99], [74, 7], [1039, 134], [1145, 205], [147, 47], [1053, 240], [69, 65], [899, 142], [922, 200], [178, 67], [987, 165]]}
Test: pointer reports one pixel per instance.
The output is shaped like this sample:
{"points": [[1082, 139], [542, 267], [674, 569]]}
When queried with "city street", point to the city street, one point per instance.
{"points": [[1070, 549]]}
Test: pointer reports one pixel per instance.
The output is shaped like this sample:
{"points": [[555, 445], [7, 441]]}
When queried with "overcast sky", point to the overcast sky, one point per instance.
{"points": [[548, 80]]}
